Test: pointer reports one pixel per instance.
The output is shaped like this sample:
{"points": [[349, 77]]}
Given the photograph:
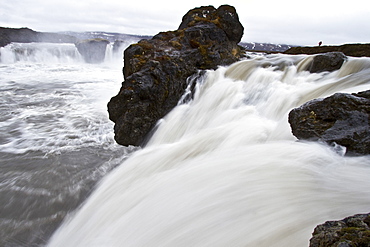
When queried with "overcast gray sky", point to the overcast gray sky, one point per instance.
{"points": [[271, 21]]}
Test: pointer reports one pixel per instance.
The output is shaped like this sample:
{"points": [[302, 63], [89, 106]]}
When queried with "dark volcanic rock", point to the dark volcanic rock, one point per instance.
{"points": [[225, 17], [22, 35], [327, 62], [26, 35], [352, 231], [156, 70], [92, 50], [341, 118], [4, 39], [354, 50]]}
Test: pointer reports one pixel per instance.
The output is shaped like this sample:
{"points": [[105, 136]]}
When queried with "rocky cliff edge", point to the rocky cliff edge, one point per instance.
{"points": [[156, 70]]}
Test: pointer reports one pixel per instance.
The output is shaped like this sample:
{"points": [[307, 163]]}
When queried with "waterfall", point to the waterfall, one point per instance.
{"points": [[109, 53], [114, 50], [56, 53], [223, 169], [39, 53]]}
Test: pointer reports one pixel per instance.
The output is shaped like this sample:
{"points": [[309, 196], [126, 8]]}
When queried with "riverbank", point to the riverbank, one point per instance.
{"points": [[353, 50]]}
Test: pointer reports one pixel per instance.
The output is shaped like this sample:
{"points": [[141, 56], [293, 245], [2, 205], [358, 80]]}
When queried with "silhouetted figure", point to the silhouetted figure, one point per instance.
{"points": [[320, 43]]}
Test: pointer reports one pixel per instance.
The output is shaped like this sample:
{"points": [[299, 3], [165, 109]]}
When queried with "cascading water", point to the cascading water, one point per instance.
{"points": [[40, 52], [225, 170], [56, 140], [55, 53]]}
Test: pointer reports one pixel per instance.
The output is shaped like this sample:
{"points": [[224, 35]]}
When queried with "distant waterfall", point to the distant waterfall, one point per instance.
{"points": [[224, 169], [114, 51], [39, 52], [57, 53]]}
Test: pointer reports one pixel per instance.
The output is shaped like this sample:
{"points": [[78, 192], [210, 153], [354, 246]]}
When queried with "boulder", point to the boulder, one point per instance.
{"points": [[353, 231], [156, 70], [330, 61], [225, 17], [92, 50], [341, 118]]}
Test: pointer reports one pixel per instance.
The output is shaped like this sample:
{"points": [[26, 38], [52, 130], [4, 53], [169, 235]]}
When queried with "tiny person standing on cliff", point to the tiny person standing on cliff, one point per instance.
{"points": [[320, 43]]}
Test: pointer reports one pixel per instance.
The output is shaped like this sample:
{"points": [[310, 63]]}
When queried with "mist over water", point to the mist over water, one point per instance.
{"points": [[224, 169], [56, 141]]}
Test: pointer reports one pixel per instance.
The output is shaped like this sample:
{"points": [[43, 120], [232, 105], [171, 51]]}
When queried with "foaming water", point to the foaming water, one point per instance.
{"points": [[40, 52], [54, 107], [225, 170], [57, 53], [56, 140]]}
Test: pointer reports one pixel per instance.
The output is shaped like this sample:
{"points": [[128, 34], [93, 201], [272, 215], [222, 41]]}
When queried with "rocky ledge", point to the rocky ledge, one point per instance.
{"points": [[352, 231], [341, 118], [354, 50], [156, 70]]}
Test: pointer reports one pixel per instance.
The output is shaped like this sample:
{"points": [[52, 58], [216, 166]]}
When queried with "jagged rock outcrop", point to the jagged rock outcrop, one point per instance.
{"points": [[354, 50], [330, 61], [352, 231], [341, 118], [92, 50], [26, 35], [156, 70], [225, 17]]}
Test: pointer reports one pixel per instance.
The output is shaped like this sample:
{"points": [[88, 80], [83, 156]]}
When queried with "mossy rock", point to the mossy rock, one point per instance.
{"points": [[353, 231], [156, 70]]}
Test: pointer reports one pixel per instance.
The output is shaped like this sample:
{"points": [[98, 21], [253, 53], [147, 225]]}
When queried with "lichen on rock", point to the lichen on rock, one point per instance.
{"points": [[156, 70], [353, 231], [341, 118]]}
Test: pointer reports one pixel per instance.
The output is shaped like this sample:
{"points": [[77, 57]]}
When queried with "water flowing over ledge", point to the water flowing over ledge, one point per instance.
{"points": [[58, 53], [56, 141], [156, 70], [221, 169], [225, 170]]}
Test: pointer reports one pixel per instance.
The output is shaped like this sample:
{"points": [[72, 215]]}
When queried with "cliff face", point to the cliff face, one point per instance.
{"points": [[156, 70]]}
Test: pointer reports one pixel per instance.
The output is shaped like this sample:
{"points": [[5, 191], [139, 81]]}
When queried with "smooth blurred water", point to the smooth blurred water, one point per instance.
{"points": [[56, 141], [225, 170]]}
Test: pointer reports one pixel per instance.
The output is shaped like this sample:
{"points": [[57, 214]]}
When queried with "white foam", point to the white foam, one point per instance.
{"points": [[224, 169], [54, 107]]}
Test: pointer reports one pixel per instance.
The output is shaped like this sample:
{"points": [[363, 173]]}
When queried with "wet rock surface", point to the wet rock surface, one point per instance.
{"points": [[330, 61], [156, 70], [352, 231], [341, 118]]}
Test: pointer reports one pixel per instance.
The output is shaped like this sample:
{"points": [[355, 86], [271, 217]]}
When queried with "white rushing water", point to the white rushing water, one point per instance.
{"points": [[225, 170], [56, 140], [40, 53]]}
